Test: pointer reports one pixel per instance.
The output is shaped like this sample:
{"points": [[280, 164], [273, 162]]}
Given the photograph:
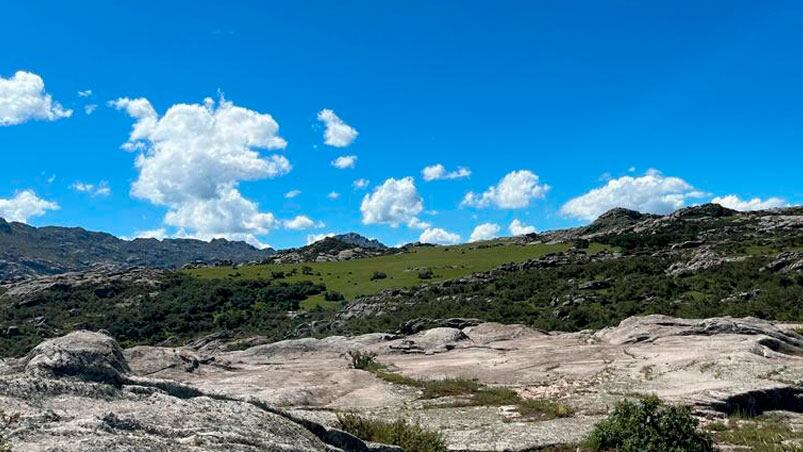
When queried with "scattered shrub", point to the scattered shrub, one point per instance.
{"points": [[364, 361], [277, 275], [425, 273], [649, 425], [306, 270], [581, 244], [409, 436], [333, 295], [378, 275]]}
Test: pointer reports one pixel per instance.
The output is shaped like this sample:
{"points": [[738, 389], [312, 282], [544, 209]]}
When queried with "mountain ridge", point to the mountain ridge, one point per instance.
{"points": [[29, 251]]}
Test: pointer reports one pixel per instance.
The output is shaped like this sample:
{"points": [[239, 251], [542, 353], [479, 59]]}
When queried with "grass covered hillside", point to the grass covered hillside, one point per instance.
{"points": [[416, 265], [699, 262]]}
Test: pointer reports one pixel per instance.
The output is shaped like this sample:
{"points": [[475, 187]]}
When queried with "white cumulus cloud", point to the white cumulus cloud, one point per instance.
{"points": [[301, 222], [653, 193], [438, 171], [85, 93], [514, 191], [158, 234], [344, 161], [337, 133], [438, 236], [90, 108], [312, 238], [736, 203], [292, 194], [193, 158], [394, 202], [518, 228], [101, 189], [25, 204], [23, 98], [484, 231], [333, 195]]}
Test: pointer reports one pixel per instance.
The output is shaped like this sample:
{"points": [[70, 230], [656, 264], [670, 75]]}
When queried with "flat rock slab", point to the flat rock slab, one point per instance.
{"points": [[704, 363]]}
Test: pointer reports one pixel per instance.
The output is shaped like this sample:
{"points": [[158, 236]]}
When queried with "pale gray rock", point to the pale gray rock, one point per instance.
{"points": [[230, 400], [78, 393], [83, 354]]}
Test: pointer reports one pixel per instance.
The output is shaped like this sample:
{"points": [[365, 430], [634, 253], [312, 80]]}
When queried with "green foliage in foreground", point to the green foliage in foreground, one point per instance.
{"points": [[649, 425], [409, 436], [759, 434]]}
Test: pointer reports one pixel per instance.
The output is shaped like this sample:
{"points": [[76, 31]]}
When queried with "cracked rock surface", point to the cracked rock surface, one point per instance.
{"points": [[283, 395], [76, 393]]}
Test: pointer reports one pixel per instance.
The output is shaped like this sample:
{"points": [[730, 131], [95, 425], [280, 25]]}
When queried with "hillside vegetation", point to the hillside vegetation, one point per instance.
{"points": [[359, 277], [699, 262]]}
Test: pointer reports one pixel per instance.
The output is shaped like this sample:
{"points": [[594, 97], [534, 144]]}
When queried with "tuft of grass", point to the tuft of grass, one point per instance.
{"points": [[478, 394], [449, 387], [759, 434], [543, 409], [409, 436], [398, 379], [364, 361]]}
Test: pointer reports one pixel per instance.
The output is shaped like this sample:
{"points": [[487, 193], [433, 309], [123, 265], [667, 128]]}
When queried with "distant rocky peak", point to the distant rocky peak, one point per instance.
{"points": [[709, 210], [352, 238]]}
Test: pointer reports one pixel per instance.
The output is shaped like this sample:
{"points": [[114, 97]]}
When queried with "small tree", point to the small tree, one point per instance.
{"points": [[649, 425], [378, 275]]}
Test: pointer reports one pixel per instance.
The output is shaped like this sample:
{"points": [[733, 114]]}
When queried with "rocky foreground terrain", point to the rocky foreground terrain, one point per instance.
{"points": [[82, 392], [526, 355]]}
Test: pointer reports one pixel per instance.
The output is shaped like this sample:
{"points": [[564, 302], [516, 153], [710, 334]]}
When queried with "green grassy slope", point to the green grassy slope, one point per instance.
{"points": [[353, 278]]}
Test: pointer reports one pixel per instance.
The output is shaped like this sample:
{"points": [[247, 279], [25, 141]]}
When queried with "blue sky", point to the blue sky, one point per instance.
{"points": [[564, 108]]}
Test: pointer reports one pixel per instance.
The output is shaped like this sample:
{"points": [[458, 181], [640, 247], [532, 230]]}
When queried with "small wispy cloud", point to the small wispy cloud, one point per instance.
{"points": [[100, 189]]}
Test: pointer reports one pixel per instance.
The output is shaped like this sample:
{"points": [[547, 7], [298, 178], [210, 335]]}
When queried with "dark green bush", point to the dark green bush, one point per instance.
{"points": [[410, 437], [378, 275], [649, 425], [425, 273], [333, 295]]}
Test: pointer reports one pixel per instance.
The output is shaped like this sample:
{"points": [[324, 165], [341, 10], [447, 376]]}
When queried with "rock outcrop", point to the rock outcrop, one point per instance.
{"points": [[27, 251], [332, 249], [77, 393], [82, 392], [83, 354]]}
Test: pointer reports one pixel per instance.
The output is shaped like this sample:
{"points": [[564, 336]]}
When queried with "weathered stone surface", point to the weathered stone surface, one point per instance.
{"points": [[226, 400], [702, 258], [83, 354], [77, 393], [21, 292], [705, 363]]}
